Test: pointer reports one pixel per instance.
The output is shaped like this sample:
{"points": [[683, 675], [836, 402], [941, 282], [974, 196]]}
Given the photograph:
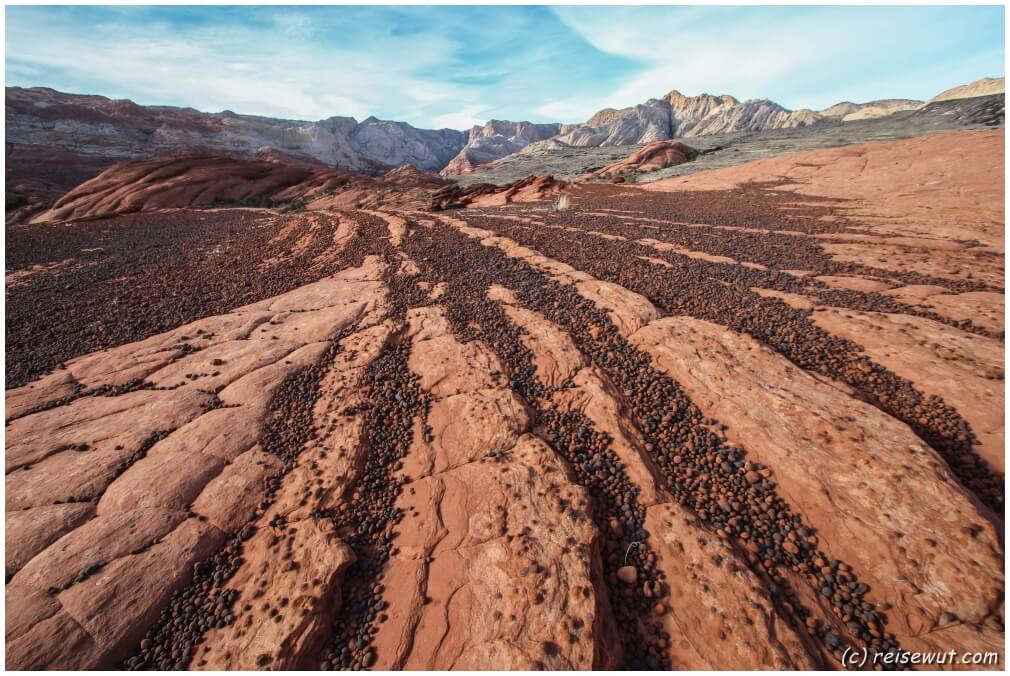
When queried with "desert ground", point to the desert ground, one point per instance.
{"points": [[750, 416]]}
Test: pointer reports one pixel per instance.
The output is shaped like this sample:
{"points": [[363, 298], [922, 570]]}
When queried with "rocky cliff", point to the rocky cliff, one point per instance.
{"points": [[496, 139], [673, 116], [676, 116], [686, 111], [644, 123], [96, 126]]}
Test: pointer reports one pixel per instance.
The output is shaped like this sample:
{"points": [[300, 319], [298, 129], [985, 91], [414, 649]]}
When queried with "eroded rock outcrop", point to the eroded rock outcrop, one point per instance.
{"points": [[530, 189], [205, 181], [659, 155], [495, 140]]}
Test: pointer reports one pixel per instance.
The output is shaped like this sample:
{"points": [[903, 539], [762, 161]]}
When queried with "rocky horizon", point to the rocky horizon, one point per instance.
{"points": [[43, 118]]}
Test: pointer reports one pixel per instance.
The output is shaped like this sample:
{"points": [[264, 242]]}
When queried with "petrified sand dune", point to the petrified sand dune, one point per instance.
{"points": [[530, 189], [205, 181], [659, 155], [707, 426], [486, 571]]}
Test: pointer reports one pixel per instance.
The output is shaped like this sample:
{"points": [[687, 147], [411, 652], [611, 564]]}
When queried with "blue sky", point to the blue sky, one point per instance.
{"points": [[454, 66]]}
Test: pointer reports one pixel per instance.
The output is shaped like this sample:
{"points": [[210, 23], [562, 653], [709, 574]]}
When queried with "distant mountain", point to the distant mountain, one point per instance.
{"points": [[846, 111], [498, 138], [983, 87], [644, 123], [56, 141], [121, 129], [673, 116], [753, 115], [679, 116]]}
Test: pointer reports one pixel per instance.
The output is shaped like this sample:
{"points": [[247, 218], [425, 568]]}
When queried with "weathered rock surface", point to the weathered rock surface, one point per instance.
{"points": [[31, 531], [495, 556], [706, 576], [291, 580], [712, 629], [966, 370], [855, 461], [495, 140], [891, 187], [628, 310], [203, 181], [659, 155], [530, 189], [113, 517], [702, 429]]}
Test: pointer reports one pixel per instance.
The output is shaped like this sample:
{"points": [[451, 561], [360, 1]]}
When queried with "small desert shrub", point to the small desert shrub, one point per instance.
{"points": [[562, 203]]}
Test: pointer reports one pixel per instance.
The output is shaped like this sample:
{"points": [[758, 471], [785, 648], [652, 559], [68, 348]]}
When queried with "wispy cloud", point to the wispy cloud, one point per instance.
{"points": [[456, 66], [429, 66], [799, 56]]}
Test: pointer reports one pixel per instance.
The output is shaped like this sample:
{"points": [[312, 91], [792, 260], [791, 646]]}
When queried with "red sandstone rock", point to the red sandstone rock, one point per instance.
{"points": [[205, 181], [659, 155], [529, 189], [498, 540]]}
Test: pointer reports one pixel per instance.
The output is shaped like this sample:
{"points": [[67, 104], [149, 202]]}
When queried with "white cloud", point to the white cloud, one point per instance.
{"points": [[798, 56], [244, 68], [690, 50], [430, 66], [567, 110], [470, 116]]}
